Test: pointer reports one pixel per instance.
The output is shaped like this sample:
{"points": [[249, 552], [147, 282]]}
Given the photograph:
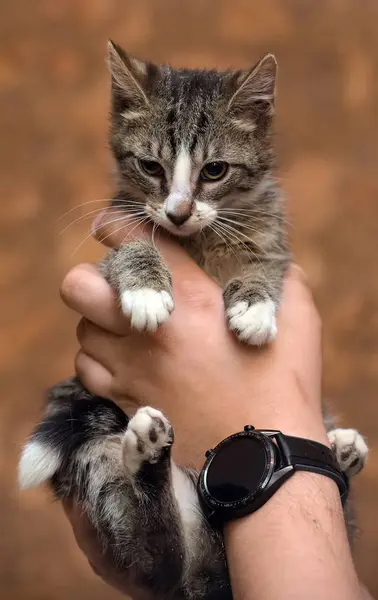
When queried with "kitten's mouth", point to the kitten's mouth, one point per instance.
{"points": [[194, 223], [183, 230]]}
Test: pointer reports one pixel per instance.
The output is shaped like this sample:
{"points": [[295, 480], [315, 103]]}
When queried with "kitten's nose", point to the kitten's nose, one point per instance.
{"points": [[178, 218]]}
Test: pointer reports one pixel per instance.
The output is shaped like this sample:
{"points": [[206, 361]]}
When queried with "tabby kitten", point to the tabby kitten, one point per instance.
{"points": [[194, 155]]}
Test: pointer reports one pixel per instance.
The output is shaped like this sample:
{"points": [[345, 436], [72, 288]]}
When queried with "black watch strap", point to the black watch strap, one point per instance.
{"points": [[308, 455]]}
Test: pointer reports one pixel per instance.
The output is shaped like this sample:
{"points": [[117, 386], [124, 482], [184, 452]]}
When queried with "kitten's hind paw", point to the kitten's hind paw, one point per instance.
{"points": [[254, 324], [147, 308], [350, 449], [147, 435]]}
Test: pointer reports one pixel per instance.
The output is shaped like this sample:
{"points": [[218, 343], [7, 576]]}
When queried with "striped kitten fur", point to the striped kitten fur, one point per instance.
{"points": [[195, 155]]}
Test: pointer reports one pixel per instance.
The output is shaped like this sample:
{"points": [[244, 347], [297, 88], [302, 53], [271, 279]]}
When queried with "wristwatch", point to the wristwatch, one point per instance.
{"points": [[247, 468]]}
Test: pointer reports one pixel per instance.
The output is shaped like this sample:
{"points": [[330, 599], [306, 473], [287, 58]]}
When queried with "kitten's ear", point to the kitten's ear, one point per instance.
{"points": [[129, 76], [255, 89]]}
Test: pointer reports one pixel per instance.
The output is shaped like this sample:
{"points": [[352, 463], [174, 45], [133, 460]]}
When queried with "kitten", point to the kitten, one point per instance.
{"points": [[194, 154]]}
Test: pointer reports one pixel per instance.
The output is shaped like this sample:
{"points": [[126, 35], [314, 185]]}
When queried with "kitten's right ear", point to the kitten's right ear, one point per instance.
{"points": [[129, 76]]}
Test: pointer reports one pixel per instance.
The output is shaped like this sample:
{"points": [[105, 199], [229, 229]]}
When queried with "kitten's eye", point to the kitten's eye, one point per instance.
{"points": [[214, 171], [151, 167]]}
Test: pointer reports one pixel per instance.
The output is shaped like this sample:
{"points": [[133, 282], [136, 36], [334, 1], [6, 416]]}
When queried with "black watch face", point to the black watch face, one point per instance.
{"points": [[238, 469]]}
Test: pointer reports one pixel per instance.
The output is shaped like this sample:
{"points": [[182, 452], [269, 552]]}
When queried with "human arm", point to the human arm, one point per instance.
{"points": [[210, 386]]}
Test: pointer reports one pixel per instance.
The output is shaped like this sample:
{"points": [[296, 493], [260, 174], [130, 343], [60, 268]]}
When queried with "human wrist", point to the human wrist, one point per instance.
{"points": [[293, 409], [297, 424], [221, 419], [292, 417], [303, 489], [301, 531]]}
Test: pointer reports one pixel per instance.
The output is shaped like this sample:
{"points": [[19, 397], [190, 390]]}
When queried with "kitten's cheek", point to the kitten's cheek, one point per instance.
{"points": [[95, 377]]}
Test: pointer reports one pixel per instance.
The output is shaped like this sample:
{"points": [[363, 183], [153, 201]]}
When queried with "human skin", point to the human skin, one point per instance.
{"points": [[210, 385], [275, 386]]}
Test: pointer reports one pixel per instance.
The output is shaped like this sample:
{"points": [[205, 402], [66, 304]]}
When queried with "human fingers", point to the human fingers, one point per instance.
{"points": [[101, 345], [85, 291], [95, 377]]}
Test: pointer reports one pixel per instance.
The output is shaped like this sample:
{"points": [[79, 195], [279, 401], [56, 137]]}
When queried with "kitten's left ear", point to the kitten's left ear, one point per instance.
{"points": [[255, 89]]}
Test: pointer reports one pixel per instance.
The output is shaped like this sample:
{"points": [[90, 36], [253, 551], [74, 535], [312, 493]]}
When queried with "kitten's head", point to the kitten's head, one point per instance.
{"points": [[189, 143]]}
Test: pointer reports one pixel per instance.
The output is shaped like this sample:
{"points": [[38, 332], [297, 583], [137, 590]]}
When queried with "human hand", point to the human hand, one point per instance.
{"points": [[193, 369]]}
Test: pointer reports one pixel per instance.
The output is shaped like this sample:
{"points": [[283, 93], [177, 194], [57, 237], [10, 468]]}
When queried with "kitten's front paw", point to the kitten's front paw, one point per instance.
{"points": [[350, 449], [147, 434], [255, 323], [146, 307]]}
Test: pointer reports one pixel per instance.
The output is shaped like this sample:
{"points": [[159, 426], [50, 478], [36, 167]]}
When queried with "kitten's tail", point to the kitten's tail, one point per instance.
{"points": [[72, 418], [38, 463]]}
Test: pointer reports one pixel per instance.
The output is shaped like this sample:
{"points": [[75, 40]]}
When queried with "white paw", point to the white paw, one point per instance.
{"points": [[147, 433], [254, 324], [350, 449], [147, 308]]}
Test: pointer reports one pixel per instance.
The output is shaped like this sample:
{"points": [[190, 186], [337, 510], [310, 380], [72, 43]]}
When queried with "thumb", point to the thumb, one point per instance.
{"points": [[114, 227]]}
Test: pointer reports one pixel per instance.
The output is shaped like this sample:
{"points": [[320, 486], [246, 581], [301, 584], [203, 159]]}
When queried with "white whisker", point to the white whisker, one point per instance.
{"points": [[134, 221], [97, 210], [253, 229], [83, 204], [154, 229], [105, 200], [257, 215], [90, 234], [145, 220], [234, 233], [218, 230], [243, 226]]}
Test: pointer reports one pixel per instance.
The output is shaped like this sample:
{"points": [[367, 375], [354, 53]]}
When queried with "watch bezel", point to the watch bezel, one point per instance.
{"points": [[270, 463]]}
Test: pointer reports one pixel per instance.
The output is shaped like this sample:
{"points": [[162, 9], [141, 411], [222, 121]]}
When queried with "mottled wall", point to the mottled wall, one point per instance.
{"points": [[53, 156]]}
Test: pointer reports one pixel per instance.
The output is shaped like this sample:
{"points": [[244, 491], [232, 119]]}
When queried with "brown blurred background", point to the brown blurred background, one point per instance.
{"points": [[53, 154]]}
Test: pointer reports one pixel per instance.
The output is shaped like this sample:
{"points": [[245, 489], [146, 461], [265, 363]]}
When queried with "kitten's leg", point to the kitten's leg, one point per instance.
{"points": [[143, 507], [251, 301], [350, 449], [142, 281], [119, 471], [173, 529]]}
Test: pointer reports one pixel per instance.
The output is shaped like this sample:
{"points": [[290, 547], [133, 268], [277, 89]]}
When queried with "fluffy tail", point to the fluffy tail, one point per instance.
{"points": [[72, 418], [38, 463]]}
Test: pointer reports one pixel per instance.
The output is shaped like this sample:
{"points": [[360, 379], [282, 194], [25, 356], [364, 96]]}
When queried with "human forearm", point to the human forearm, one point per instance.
{"points": [[300, 532], [211, 386]]}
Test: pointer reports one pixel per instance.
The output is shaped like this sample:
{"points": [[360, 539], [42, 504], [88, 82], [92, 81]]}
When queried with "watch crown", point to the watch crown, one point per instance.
{"points": [[208, 453], [248, 428]]}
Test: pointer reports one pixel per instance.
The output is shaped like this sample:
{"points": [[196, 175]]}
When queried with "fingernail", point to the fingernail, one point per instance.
{"points": [[97, 222]]}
